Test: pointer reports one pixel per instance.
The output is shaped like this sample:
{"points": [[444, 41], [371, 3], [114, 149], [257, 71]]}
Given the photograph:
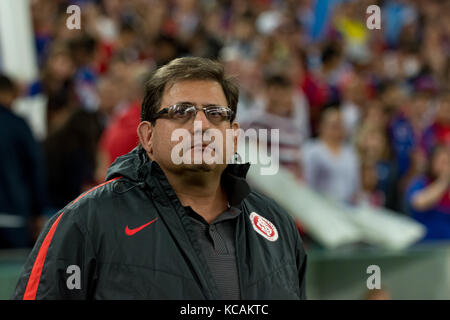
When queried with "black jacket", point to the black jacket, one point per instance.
{"points": [[164, 260]]}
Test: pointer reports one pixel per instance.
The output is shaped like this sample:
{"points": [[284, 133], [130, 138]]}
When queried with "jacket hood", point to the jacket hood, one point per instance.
{"points": [[130, 165]]}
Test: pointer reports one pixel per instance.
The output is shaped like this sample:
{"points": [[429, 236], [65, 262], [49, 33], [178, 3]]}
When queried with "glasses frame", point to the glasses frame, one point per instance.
{"points": [[164, 111]]}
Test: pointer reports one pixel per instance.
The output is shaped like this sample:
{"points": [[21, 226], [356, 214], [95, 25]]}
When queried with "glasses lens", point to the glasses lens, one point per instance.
{"points": [[218, 114], [185, 112], [181, 111]]}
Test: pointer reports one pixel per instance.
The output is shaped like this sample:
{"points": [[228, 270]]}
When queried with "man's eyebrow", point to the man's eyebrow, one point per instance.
{"points": [[185, 102], [211, 105]]}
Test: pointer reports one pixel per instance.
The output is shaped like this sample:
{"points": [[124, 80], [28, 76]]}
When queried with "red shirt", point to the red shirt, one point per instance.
{"points": [[442, 133], [121, 135]]}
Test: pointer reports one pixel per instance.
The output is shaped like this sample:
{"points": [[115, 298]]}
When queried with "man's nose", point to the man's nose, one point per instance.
{"points": [[201, 118]]}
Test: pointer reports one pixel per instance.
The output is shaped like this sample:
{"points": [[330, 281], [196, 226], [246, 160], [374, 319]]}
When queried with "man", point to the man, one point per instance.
{"points": [[157, 230], [22, 176], [283, 110], [331, 165]]}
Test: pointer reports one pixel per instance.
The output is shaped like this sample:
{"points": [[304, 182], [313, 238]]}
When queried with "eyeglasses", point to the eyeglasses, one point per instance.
{"points": [[184, 112]]}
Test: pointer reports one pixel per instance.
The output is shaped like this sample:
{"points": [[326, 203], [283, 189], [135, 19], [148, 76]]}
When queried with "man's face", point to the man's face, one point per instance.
{"points": [[200, 93]]}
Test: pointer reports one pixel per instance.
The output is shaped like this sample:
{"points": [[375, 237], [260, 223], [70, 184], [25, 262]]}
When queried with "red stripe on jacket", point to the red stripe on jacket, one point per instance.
{"points": [[36, 271]]}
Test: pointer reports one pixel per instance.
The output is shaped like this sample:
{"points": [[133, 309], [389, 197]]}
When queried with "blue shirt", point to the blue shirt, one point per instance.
{"points": [[436, 219], [403, 143]]}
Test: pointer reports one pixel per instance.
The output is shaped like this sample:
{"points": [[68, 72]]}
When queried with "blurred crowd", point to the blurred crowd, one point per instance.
{"points": [[364, 115]]}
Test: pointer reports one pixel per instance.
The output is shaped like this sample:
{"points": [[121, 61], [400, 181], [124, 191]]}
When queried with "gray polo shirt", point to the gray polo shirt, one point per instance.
{"points": [[217, 242]]}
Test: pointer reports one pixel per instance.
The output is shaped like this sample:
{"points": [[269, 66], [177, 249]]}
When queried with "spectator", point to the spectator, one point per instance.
{"points": [[330, 165], [370, 194], [439, 131], [60, 105], [83, 49], [70, 150], [110, 96], [57, 70], [428, 196], [242, 40], [281, 110], [406, 130], [120, 136], [315, 90], [333, 70], [377, 171], [353, 96], [375, 115], [22, 176]]}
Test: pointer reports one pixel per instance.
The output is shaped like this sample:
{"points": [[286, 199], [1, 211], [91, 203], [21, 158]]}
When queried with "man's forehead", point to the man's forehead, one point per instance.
{"points": [[201, 92]]}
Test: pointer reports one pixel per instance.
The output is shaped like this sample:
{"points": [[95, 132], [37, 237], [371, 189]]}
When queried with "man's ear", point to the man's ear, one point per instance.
{"points": [[145, 134]]}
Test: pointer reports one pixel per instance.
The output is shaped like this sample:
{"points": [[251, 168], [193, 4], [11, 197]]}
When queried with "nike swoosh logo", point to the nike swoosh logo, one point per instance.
{"points": [[130, 232]]}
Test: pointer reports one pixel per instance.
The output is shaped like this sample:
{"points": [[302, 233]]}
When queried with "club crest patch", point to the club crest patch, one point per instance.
{"points": [[264, 227]]}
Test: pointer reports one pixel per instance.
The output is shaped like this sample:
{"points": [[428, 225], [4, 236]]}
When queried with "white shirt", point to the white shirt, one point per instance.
{"points": [[334, 175]]}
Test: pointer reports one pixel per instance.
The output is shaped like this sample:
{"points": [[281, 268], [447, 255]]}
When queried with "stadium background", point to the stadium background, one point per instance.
{"points": [[310, 68]]}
